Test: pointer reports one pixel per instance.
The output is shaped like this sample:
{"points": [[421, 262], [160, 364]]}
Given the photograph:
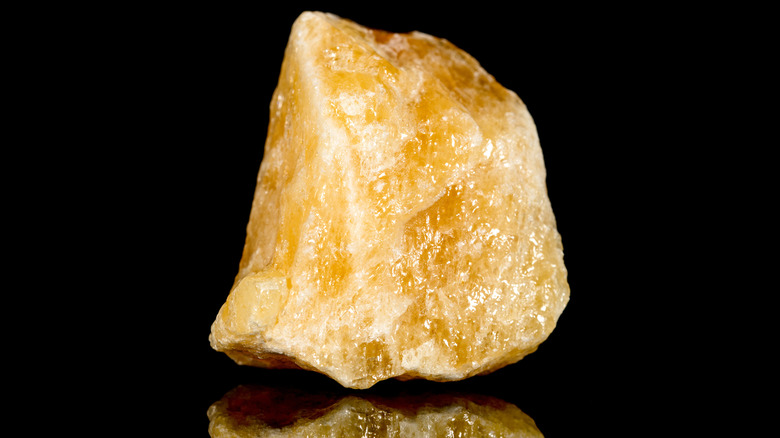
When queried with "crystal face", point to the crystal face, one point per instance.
{"points": [[400, 226]]}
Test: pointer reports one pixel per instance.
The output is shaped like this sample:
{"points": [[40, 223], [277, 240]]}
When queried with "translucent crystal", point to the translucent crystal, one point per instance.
{"points": [[401, 225]]}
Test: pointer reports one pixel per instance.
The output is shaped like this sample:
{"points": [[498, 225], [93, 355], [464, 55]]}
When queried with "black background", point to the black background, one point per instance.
{"points": [[165, 113]]}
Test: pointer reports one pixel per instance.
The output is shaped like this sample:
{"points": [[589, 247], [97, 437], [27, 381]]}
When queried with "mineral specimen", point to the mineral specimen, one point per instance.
{"points": [[253, 411], [401, 225]]}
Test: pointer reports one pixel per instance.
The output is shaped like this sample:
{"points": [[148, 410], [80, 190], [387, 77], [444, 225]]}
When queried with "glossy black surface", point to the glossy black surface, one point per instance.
{"points": [[179, 108]]}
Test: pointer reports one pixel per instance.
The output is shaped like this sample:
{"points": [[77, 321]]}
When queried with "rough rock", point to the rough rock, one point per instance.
{"points": [[253, 411], [401, 225]]}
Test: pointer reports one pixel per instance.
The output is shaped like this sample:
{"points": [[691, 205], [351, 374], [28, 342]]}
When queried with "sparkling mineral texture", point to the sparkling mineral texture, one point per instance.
{"points": [[400, 225], [253, 411]]}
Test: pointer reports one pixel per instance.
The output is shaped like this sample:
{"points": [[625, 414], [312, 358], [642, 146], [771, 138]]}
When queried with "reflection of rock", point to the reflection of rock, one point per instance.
{"points": [[251, 411]]}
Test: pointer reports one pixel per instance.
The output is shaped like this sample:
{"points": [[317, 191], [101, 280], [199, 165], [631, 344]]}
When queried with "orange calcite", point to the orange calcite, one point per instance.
{"points": [[254, 411], [401, 225]]}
